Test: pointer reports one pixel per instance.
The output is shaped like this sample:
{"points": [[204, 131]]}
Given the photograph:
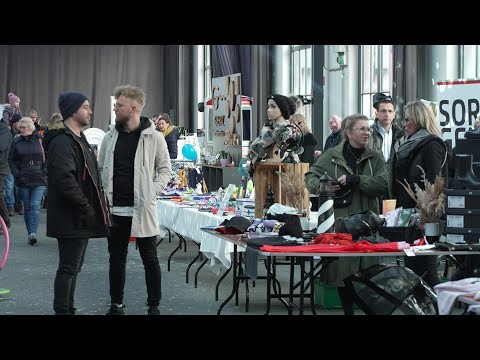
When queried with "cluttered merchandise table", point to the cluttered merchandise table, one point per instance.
{"points": [[304, 287], [187, 221]]}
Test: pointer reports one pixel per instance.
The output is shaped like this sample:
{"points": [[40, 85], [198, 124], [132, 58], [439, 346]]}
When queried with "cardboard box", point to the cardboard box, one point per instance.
{"points": [[463, 218], [462, 199], [470, 235]]}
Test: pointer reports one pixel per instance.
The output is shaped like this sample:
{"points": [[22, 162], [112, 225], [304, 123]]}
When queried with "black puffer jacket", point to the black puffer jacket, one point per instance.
{"points": [[309, 143], [431, 154], [27, 161], [76, 204], [172, 139]]}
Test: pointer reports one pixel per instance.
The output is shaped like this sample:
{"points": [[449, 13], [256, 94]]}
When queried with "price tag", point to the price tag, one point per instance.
{"points": [[456, 202], [455, 221], [454, 238], [409, 252]]}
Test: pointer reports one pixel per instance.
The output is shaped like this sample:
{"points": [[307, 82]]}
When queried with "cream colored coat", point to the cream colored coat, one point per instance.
{"points": [[152, 171]]}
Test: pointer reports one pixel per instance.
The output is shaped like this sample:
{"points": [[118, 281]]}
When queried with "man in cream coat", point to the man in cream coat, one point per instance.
{"points": [[135, 167]]}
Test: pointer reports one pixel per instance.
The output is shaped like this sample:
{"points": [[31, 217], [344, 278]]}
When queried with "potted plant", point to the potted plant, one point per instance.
{"points": [[430, 202], [225, 158]]}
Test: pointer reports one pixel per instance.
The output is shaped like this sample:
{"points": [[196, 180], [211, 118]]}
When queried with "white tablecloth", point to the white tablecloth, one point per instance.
{"points": [[187, 221]]}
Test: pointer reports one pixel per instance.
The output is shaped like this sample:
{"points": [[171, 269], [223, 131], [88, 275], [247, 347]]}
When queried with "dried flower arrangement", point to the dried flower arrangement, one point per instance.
{"points": [[431, 201], [294, 189]]}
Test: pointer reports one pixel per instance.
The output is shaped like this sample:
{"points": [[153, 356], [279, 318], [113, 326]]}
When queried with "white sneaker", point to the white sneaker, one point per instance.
{"points": [[32, 239]]}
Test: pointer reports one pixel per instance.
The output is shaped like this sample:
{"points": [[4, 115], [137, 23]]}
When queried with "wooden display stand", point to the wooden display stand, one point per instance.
{"points": [[265, 174]]}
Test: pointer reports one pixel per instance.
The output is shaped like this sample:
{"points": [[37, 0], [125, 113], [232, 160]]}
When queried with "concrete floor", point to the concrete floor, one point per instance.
{"points": [[30, 271]]}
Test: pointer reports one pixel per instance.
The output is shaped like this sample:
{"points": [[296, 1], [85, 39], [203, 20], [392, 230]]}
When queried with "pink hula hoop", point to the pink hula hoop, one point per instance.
{"points": [[7, 243]]}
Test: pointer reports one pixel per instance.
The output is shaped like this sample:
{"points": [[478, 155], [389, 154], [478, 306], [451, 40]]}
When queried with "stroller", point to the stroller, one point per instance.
{"points": [[383, 289]]}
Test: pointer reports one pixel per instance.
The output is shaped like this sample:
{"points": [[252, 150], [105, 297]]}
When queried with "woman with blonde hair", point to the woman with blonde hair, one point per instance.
{"points": [[309, 141], [27, 164], [425, 148]]}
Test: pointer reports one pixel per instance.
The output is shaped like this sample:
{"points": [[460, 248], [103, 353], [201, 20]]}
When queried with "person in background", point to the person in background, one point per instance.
{"points": [[386, 136], [423, 147], [135, 169], [11, 190], [155, 121], [360, 171], [27, 164], [12, 108], [5, 141], [309, 141], [170, 133], [76, 208], [33, 114], [52, 129], [335, 123]]}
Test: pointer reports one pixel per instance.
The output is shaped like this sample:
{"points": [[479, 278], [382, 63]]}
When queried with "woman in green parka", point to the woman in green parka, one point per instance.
{"points": [[361, 175]]}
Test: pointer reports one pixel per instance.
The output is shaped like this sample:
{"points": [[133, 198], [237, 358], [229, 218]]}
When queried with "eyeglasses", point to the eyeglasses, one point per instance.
{"points": [[118, 105], [23, 127], [363, 129], [384, 111]]}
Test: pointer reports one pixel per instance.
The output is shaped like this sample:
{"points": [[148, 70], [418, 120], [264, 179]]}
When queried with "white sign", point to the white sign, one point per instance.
{"points": [[458, 107]]}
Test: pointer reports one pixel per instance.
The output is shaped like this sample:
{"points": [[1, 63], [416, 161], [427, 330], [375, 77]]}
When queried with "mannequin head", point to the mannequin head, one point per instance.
{"points": [[280, 108]]}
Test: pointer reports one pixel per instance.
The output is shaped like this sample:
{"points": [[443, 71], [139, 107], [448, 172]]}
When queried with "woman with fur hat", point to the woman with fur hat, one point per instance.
{"points": [[12, 108], [279, 110]]}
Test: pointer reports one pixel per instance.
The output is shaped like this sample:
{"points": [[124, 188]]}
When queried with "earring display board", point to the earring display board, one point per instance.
{"points": [[227, 114]]}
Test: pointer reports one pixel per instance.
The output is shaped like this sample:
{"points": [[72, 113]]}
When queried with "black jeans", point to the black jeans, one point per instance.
{"points": [[424, 265], [71, 256], [118, 249]]}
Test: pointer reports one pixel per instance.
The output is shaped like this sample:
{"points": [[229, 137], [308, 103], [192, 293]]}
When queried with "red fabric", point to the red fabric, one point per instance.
{"points": [[334, 238], [229, 231], [359, 247]]}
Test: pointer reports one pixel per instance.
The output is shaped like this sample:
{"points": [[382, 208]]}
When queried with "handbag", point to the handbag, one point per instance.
{"points": [[364, 223]]}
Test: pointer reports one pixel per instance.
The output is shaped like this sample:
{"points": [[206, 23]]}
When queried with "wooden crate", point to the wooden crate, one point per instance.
{"points": [[265, 174]]}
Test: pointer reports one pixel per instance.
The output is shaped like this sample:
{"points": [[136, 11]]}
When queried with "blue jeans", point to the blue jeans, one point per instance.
{"points": [[31, 198], [9, 191]]}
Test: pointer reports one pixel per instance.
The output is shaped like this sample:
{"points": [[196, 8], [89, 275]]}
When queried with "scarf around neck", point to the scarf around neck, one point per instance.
{"points": [[167, 130], [406, 148]]}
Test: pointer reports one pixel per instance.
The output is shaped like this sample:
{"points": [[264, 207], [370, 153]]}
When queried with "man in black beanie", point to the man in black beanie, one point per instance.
{"points": [[76, 207]]}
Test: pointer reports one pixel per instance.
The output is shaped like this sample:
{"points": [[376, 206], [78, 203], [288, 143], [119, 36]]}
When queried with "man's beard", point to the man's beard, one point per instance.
{"points": [[121, 120]]}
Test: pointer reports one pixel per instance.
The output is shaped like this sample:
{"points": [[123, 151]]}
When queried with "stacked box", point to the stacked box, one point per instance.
{"points": [[463, 216]]}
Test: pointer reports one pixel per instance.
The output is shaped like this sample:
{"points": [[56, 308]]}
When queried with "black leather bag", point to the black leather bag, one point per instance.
{"points": [[364, 223]]}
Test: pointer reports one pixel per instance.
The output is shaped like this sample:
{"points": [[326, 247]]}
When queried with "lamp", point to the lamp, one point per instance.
{"points": [[326, 218]]}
